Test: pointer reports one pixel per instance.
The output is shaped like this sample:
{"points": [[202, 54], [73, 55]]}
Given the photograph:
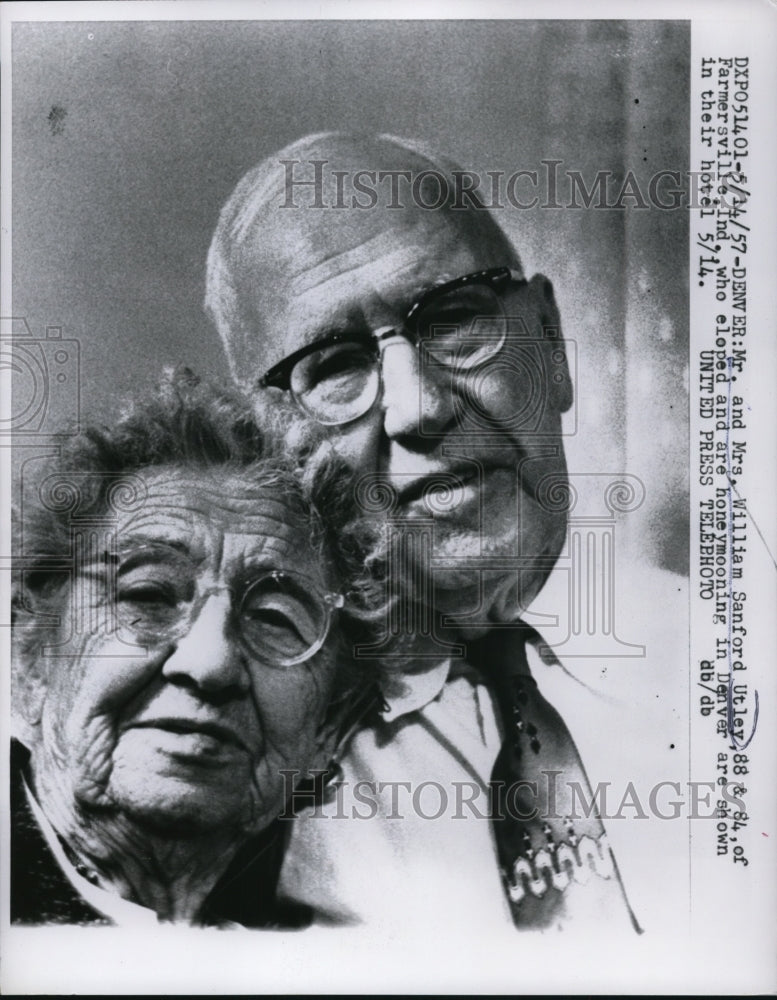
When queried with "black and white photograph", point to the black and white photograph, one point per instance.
{"points": [[389, 522]]}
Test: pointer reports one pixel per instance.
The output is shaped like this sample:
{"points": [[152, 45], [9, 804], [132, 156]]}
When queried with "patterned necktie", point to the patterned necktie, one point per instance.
{"points": [[554, 858]]}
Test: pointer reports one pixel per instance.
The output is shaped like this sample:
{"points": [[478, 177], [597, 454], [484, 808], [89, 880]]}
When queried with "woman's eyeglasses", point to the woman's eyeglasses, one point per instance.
{"points": [[279, 617]]}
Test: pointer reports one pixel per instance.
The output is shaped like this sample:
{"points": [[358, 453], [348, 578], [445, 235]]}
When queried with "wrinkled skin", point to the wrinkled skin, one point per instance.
{"points": [[304, 272], [129, 733]]}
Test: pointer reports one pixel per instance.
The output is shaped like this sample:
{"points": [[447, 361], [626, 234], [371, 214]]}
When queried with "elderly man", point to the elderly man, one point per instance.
{"points": [[394, 325], [180, 659]]}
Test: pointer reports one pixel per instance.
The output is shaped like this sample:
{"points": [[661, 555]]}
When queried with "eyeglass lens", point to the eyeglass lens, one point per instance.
{"points": [[460, 329], [280, 617]]}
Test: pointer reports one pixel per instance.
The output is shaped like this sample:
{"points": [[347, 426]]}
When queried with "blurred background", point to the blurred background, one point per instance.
{"points": [[128, 138]]}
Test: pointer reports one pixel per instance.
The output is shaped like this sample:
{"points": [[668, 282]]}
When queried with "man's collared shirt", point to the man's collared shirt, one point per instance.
{"points": [[406, 835], [368, 856]]}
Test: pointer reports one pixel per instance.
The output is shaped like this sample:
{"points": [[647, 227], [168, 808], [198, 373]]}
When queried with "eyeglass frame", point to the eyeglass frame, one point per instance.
{"points": [[329, 601], [279, 375]]}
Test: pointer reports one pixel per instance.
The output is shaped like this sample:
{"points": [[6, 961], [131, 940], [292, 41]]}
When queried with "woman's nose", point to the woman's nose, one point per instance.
{"points": [[207, 656], [417, 397]]}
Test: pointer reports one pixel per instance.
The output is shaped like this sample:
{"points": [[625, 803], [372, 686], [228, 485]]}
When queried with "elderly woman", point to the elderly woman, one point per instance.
{"points": [[181, 658]]}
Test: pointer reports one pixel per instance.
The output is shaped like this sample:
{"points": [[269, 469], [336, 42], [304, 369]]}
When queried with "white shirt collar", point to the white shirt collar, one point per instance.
{"points": [[415, 691]]}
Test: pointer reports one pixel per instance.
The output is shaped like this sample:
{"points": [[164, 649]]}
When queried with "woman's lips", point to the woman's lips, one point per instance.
{"points": [[196, 735]]}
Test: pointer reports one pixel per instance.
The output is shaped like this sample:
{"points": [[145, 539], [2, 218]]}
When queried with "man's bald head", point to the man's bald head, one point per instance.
{"points": [[358, 194], [318, 264]]}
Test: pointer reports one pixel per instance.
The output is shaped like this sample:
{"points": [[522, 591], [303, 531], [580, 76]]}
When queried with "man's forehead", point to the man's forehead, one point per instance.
{"points": [[383, 259], [388, 268], [322, 269], [296, 241]]}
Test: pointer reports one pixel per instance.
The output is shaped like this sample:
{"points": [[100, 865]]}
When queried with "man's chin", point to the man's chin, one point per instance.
{"points": [[480, 583]]}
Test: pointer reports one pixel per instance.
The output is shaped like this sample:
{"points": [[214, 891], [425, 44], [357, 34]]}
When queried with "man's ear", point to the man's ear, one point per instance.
{"points": [[543, 301]]}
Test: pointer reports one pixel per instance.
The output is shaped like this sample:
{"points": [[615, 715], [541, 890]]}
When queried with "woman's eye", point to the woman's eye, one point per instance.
{"points": [[148, 605], [149, 594], [268, 616], [276, 627]]}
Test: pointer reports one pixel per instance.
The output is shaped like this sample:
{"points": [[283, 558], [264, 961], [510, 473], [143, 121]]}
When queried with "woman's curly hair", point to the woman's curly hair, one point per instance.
{"points": [[189, 424]]}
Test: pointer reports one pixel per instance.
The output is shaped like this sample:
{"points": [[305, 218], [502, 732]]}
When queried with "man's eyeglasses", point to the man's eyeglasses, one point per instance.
{"points": [[458, 325], [279, 617]]}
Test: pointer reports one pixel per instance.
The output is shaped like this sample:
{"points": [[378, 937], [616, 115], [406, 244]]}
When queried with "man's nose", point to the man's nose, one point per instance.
{"points": [[207, 658], [417, 398]]}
